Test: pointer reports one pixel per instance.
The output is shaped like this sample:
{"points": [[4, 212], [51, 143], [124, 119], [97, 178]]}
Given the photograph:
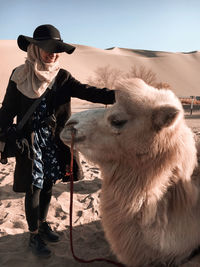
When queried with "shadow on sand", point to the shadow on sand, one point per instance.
{"points": [[88, 241]]}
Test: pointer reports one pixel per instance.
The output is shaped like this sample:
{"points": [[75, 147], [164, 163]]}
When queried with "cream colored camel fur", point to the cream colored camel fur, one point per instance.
{"points": [[150, 201]]}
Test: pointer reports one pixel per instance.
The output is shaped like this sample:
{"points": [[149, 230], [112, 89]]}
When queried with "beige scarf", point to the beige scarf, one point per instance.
{"points": [[35, 76]]}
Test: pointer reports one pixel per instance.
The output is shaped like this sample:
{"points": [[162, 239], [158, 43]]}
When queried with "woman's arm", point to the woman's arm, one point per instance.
{"points": [[9, 106], [7, 113], [87, 92]]}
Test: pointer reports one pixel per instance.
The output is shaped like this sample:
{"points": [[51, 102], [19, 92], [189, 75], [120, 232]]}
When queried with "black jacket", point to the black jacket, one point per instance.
{"points": [[58, 104]]}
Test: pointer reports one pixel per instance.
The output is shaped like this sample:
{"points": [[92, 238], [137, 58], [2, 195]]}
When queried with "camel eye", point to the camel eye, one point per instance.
{"points": [[118, 123]]}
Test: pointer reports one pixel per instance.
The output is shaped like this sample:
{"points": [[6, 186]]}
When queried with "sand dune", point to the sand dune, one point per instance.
{"points": [[180, 70]]}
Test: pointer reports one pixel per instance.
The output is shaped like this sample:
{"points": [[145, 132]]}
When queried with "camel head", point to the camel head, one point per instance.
{"points": [[129, 127]]}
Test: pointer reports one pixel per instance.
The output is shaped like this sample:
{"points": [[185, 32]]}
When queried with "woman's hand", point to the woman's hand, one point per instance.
{"points": [[3, 160], [2, 145]]}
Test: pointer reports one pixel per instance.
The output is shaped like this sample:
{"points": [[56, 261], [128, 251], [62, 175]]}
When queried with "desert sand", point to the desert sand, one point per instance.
{"points": [[180, 70]]}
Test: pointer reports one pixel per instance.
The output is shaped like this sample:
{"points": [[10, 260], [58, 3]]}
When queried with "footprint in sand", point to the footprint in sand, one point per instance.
{"points": [[9, 204]]}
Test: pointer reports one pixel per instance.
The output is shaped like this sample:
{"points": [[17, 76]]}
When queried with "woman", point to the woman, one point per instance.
{"points": [[36, 175]]}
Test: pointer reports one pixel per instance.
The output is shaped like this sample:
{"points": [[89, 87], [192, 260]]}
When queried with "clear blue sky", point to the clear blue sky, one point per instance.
{"points": [[165, 25]]}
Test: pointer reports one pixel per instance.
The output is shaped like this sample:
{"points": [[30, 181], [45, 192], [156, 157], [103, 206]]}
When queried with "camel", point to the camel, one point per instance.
{"points": [[150, 199]]}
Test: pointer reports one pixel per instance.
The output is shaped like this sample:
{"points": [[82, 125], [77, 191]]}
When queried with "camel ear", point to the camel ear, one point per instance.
{"points": [[164, 116]]}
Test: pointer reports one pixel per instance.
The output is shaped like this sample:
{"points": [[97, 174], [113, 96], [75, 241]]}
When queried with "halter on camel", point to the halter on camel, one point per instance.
{"points": [[71, 213]]}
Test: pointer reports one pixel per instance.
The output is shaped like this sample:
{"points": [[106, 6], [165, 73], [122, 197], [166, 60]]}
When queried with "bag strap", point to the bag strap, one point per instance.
{"points": [[30, 111]]}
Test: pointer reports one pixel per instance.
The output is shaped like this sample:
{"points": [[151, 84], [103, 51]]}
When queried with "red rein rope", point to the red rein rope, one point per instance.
{"points": [[71, 214]]}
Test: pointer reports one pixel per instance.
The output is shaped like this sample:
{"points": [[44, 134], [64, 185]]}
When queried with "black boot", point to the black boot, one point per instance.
{"points": [[38, 246], [47, 233]]}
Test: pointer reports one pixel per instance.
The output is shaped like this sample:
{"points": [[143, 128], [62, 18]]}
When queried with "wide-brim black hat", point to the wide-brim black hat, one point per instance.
{"points": [[46, 37]]}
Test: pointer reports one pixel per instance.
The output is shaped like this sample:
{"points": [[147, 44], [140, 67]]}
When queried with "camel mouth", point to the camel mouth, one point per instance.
{"points": [[76, 139], [79, 139]]}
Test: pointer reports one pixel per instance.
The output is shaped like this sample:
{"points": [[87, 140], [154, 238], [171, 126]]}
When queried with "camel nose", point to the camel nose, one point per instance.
{"points": [[71, 125]]}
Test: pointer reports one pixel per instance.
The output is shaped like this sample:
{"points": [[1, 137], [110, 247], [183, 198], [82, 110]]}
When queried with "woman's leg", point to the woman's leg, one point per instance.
{"points": [[45, 199], [32, 199]]}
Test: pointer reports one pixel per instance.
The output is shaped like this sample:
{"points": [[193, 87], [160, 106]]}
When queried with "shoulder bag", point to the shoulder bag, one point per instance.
{"points": [[13, 140]]}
